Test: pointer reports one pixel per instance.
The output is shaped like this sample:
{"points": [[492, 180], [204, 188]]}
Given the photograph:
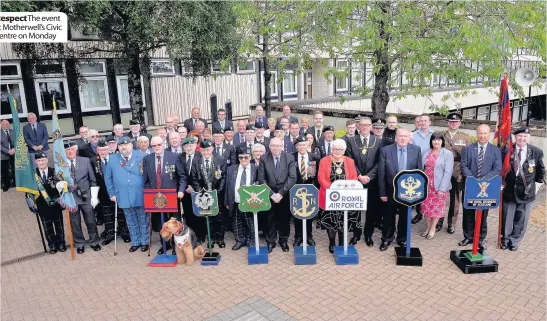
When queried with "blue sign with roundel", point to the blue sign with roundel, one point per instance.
{"points": [[482, 194], [304, 204], [410, 187]]}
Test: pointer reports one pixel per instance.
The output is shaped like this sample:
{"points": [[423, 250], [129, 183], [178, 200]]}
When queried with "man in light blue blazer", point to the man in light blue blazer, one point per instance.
{"points": [[124, 182], [393, 159], [480, 160], [36, 135]]}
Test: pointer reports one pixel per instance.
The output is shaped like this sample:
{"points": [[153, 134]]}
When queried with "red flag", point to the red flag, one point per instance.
{"points": [[503, 132]]}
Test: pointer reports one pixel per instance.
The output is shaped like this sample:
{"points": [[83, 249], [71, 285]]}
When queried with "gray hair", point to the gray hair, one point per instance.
{"points": [[339, 143], [118, 126], [258, 147], [142, 139], [92, 132], [402, 129]]}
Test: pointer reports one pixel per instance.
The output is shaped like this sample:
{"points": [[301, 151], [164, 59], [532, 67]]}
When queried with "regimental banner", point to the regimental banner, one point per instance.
{"points": [[482, 194], [410, 187], [161, 200], [205, 203], [254, 198], [304, 201]]}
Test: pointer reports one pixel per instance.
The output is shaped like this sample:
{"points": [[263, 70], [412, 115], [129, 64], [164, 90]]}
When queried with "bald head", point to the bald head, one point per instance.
{"points": [[276, 146], [483, 134], [402, 137]]}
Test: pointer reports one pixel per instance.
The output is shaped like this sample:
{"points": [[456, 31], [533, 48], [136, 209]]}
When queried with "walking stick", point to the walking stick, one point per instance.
{"points": [[116, 228], [41, 233], [70, 240]]}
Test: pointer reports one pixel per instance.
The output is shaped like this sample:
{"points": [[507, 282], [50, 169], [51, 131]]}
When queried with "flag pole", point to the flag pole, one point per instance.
{"points": [[70, 240], [41, 233]]}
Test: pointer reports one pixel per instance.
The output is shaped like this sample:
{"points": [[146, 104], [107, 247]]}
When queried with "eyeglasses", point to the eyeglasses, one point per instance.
{"points": [[94, 136], [157, 145], [243, 157], [338, 149]]}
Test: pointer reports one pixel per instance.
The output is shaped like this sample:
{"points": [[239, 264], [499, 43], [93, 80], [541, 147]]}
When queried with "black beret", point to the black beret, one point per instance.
{"points": [[279, 127], [250, 127], [259, 125], [206, 143], [110, 138], [228, 128], [217, 130], [522, 130], [245, 151], [39, 155], [300, 139], [328, 129], [133, 122], [69, 144], [101, 143], [454, 116]]}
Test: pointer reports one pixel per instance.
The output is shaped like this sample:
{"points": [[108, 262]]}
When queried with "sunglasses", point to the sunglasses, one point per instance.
{"points": [[243, 157]]}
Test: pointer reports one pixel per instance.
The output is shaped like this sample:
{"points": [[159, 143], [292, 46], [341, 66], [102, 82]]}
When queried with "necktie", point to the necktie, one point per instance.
{"points": [[44, 177], [317, 134], [516, 164], [243, 181], [402, 165], [189, 164], [34, 130], [207, 171], [277, 166], [105, 162], [126, 159], [158, 173], [9, 138], [72, 169], [328, 148], [480, 162], [241, 139], [365, 142], [303, 168], [218, 150]]}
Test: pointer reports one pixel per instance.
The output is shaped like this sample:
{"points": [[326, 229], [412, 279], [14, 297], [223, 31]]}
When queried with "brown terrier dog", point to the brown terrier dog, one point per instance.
{"points": [[185, 241]]}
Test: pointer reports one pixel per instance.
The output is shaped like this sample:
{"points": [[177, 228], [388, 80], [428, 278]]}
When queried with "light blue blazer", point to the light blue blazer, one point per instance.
{"points": [[443, 169]]}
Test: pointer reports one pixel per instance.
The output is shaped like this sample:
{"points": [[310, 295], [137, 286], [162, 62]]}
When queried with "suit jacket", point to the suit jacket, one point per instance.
{"points": [[288, 146], [40, 138], [227, 122], [6, 144], [323, 177], [524, 191], [237, 138], [322, 150], [303, 131], [134, 138], [491, 163], [367, 164], [227, 153], [312, 130], [188, 169], [279, 183], [84, 178], [100, 170], [189, 123], [388, 166], [263, 120], [81, 143], [49, 186], [173, 174], [230, 182], [388, 137], [291, 119], [265, 142], [309, 179], [217, 172], [87, 151], [442, 172], [125, 179]]}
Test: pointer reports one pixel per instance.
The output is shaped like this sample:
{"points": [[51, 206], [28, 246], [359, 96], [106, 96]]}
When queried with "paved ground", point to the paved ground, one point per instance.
{"points": [[99, 286]]}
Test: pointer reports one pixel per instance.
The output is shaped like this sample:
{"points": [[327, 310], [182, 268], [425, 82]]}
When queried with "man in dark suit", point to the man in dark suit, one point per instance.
{"points": [[350, 131], [7, 156], [163, 169], [83, 140], [135, 132], [394, 159], [287, 114], [317, 129], [325, 143], [229, 136], [190, 158], [106, 206], [364, 149], [388, 137], [208, 174], [175, 143], [222, 122], [190, 123], [89, 149], [244, 174], [294, 132], [239, 137], [480, 160], [250, 136], [277, 170], [50, 212], [225, 151], [527, 170], [36, 136], [260, 117], [259, 136], [86, 196], [306, 171]]}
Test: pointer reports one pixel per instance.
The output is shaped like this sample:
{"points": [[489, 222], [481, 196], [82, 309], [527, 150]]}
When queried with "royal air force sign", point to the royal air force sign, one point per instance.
{"points": [[346, 195]]}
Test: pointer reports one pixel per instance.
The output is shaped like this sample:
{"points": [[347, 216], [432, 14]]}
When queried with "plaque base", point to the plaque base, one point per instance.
{"points": [[309, 258], [211, 259], [487, 265], [163, 261], [349, 258], [413, 259], [257, 258]]}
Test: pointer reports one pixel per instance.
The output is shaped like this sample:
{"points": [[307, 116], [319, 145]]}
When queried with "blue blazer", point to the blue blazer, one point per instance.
{"points": [[491, 165], [175, 178], [442, 171], [388, 166], [216, 125], [236, 139], [230, 177], [40, 138], [126, 182]]}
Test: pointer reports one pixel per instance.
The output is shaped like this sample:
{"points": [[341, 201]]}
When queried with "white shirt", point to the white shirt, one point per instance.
{"points": [[103, 159], [479, 148], [177, 150], [363, 137], [6, 131], [522, 156], [238, 180]]}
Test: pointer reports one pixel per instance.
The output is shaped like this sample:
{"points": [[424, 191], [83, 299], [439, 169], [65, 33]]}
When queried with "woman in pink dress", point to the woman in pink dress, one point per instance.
{"points": [[438, 165]]}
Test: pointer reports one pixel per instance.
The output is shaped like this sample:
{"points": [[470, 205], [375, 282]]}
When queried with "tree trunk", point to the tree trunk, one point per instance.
{"points": [[267, 80], [134, 84], [380, 96]]}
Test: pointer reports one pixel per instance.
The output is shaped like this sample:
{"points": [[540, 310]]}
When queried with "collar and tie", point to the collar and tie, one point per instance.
{"points": [[480, 161], [516, 163], [328, 148], [402, 159], [243, 180], [44, 176], [276, 161]]}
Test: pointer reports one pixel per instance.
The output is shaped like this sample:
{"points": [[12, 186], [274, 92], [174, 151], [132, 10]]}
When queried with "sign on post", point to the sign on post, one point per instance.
{"points": [[482, 194], [254, 199], [304, 206], [205, 203]]}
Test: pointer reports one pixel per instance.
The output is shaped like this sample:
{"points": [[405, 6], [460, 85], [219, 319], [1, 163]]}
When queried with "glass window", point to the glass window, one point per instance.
{"points": [[515, 115], [246, 67], [92, 68], [17, 93], [469, 113], [50, 69], [162, 67], [217, 69], [9, 71], [483, 113], [49, 89], [94, 94], [289, 83], [123, 92], [342, 81], [494, 112]]}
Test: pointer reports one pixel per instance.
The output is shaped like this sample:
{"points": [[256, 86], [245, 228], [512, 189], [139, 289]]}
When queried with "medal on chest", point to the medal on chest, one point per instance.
{"points": [[364, 151]]}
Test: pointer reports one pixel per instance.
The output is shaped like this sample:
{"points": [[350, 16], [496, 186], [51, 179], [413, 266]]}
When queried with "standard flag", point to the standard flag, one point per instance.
{"points": [[503, 132]]}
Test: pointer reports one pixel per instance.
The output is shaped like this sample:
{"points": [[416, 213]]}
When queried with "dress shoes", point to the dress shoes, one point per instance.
{"points": [[331, 248], [126, 238], [504, 246], [96, 247], [107, 240], [401, 243], [80, 250], [384, 246], [417, 218], [465, 242], [238, 246], [451, 230], [284, 247], [513, 248], [221, 244], [61, 248], [52, 250], [369, 242], [439, 225], [482, 245], [134, 248], [99, 222], [144, 248], [297, 241], [271, 247], [354, 240], [310, 241]]}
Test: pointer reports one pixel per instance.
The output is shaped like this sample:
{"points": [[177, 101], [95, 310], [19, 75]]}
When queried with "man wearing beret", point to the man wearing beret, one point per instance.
{"points": [[86, 196], [135, 132], [260, 138], [207, 175], [325, 143], [106, 206], [124, 181], [49, 210], [227, 152], [527, 170], [250, 136], [189, 159], [112, 144], [455, 141], [229, 136]]}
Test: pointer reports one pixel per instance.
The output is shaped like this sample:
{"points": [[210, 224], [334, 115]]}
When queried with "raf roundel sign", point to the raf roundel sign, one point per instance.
{"points": [[410, 187], [346, 195], [334, 196]]}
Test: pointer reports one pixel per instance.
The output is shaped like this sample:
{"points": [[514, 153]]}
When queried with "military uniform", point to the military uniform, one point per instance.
{"points": [[455, 143]]}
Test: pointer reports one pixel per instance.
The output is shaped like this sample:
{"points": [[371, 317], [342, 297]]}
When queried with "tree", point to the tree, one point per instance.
{"points": [[276, 33], [198, 33], [420, 40]]}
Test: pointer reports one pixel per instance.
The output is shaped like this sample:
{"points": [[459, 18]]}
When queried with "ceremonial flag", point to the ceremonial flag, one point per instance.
{"points": [[503, 132], [62, 167], [25, 180]]}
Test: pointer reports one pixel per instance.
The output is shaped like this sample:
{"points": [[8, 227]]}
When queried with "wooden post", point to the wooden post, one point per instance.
{"points": [[71, 242]]}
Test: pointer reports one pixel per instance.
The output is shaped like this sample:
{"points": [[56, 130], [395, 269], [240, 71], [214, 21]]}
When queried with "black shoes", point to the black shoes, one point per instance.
{"points": [[284, 247], [439, 225], [417, 218], [451, 230], [238, 246], [504, 246], [384, 246], [368, 241], [482, 245], [134, 248], [221, 244], [107, 240], [61, 248], [144, 248], [126, 238], [167, 248], [297, 242], [354, 240], [99, 222], [401, 243], [96, 247], [465, 242], [271, 246], [513, 248], [52, 250], [80, 250], [331, 247], [310, 241]]}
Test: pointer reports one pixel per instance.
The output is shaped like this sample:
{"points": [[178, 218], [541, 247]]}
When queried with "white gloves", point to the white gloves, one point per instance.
{"points": [[94, 196], [60, 186]]}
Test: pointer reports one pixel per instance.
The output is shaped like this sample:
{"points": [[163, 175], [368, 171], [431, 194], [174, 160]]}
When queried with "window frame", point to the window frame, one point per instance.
{"points": [[19, 82], [107, 95], [51, 62], [246, 71], [171, 62], [41, 110], [295, 92], [11, 63], [118, 87], [102, 62], [346, 88]]}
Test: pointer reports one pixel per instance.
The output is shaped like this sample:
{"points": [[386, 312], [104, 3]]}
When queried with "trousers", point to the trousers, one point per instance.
{"points": [[85, 210], [137, 222]]}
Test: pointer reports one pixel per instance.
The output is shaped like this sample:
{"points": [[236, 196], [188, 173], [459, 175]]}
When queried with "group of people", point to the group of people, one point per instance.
{"points": [[279, 152]]}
